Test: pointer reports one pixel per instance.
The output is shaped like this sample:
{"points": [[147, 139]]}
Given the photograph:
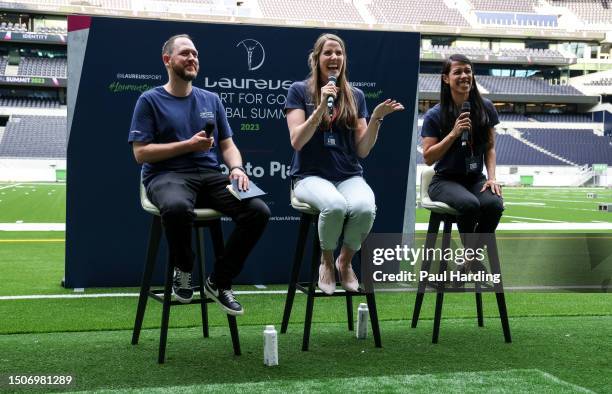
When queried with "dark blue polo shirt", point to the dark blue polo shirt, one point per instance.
{"points": [[334, 164], [453, 162], [161, 118]]}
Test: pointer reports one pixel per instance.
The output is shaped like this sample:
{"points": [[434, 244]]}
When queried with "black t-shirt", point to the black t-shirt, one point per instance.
{"points": [[453, 162]]}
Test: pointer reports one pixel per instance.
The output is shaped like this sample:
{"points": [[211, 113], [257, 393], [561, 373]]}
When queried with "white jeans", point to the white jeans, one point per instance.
{"points": [[352, 199]]}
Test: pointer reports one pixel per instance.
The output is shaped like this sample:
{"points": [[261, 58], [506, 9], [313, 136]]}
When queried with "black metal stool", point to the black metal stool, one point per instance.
{"points": [[443, 213], [204, 218], [309, 219]]}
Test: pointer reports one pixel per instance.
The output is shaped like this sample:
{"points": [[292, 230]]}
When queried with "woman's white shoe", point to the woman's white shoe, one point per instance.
{"points": [[349, 281], [327, 279]]}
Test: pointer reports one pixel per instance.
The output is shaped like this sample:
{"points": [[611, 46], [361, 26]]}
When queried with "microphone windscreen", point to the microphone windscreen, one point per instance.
{"points": [[332, 78], [209, 128], [466, 107]]}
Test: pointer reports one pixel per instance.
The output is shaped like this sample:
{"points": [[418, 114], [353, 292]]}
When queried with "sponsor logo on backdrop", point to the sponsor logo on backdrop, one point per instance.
{"points": [[256, 54], [120, 87]]}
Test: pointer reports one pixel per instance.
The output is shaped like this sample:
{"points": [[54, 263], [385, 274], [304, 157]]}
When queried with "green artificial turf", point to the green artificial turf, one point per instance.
{"points": [[33, 203], [574, 350], [117, 313]]}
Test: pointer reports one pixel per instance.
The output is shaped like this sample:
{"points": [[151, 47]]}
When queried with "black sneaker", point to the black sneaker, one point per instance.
{"points": [[181, 286], [224, 297]]}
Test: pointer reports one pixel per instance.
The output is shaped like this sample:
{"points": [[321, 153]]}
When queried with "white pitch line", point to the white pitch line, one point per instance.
{"points": [[8, 186], [401, 289], [539, 220], [562, 382]]}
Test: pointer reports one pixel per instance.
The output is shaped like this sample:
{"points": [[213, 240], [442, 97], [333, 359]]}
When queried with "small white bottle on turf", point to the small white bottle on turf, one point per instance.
{"points": [[362, 321], [270, 346]]}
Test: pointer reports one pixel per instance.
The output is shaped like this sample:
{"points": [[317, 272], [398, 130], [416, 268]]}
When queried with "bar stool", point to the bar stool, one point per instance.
{"points": [[443, 213], [205, 217], [309, 220]]}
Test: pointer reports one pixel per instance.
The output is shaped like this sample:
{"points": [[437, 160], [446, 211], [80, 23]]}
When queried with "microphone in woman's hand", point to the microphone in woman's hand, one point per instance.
{"points": [[330, 99], [465, 135]]}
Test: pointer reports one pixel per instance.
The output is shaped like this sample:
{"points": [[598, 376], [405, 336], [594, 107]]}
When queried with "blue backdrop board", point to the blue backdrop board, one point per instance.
{"points": [[250, 67]]}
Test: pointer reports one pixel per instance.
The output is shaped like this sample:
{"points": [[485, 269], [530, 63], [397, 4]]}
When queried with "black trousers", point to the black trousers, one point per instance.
{"points": [[177, 194], [479, 212]]}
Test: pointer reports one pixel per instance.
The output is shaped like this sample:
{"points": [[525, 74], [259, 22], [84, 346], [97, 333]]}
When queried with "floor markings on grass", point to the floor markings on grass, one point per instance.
{"points": [[565, 226], [9, 186], [562, 382], [524, 203], [402, 288], [42, 240], [32, 226], [510, 380], [539, 220]]}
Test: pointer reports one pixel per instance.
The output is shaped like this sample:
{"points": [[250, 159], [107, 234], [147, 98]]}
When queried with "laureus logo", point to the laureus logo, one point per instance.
{"points": [[255, 53]]}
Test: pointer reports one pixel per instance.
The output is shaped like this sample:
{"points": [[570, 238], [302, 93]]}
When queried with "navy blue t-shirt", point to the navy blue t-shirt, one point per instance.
{"points": [[453, 162], [160, 118], [334, 164]]}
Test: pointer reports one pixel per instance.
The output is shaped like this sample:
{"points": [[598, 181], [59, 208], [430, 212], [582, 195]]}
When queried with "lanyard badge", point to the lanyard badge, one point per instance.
{"points": [[330, 138]]}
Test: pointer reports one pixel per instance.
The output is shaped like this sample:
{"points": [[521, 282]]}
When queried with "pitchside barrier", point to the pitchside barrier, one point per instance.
{"points": [[111, 61]]}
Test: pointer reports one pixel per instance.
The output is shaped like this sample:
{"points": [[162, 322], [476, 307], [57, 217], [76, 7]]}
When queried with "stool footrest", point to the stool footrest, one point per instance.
{"points": [[303, 287], [158, 295]]}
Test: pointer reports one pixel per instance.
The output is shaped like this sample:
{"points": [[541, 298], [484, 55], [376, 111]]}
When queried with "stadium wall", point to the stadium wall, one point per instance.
{"points": [[30, 170], [544, 176]]}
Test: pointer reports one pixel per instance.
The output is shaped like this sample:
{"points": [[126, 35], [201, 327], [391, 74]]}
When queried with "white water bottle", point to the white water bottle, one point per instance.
{"points": [[362, 321], [270, 346]]}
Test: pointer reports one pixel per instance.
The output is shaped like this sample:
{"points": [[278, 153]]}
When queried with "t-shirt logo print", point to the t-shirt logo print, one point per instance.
{"points": [[206, 114], [256, 54]]}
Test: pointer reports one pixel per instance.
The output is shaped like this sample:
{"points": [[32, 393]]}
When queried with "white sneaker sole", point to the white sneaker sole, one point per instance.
{"points": [[223, 307]]}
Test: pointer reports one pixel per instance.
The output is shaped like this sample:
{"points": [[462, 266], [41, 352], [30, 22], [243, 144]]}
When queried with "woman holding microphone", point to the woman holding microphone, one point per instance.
{"points": [[329, 134], [459, 136]]}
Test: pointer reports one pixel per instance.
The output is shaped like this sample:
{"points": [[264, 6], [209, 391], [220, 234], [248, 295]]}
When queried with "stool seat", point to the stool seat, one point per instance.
{"points": [[302, 207], [438, 207], [426, 202], [201, 213]]}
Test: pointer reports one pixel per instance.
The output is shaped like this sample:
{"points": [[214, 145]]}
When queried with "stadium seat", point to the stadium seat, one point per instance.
{"points": [[441, 212], [309, 220], [204, 218]]}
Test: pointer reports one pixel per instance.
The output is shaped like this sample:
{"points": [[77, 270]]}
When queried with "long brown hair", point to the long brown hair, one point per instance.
{"points": [[345, 102]]}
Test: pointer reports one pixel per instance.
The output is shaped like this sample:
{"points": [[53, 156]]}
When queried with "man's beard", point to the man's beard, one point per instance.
{"points": [[182, 74]]}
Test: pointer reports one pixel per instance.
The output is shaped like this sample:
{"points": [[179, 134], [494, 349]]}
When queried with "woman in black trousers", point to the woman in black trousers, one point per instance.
{"points": [[459, 136]]}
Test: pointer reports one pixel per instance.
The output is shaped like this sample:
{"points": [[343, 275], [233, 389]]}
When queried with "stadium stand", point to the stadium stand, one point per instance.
{"points": [[589, 11], [27, 136], [562, 118], [335, 10], [44, 67], [598, 82], [512, 117], [508, 6], [29, 102], [515, 85], [579, 146], [436, 12], [511, 151], [3, 63], [429, 82]]}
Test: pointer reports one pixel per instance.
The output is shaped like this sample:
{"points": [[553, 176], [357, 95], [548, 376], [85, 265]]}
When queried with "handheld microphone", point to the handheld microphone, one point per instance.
{"points": [[465, 135], [330, 100], [209, 128]]}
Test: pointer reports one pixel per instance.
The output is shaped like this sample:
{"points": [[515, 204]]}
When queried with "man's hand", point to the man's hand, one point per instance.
{"points": [[243, 179], [200, 143]]}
